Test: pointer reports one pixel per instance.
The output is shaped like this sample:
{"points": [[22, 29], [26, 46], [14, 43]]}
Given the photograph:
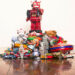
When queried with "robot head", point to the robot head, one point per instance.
{"points": [[36, 4]]}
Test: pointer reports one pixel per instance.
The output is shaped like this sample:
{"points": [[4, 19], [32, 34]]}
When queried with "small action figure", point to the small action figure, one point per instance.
{"points": [[21, 51], [22, 37], [34, 16], [36, 53]]}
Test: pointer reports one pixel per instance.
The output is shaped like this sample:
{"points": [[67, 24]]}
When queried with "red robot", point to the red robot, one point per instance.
{"points": [[34, 16]]}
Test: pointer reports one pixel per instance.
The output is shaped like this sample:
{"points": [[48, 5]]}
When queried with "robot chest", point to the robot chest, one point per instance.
{"points": [[33, 14]]}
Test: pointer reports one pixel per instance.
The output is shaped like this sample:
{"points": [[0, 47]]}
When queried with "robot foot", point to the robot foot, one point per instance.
{"points": [[38, 31], [31, 31]]}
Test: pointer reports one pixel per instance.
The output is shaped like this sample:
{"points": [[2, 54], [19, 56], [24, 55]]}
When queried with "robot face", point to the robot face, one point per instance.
{"points": [[36, 4]]}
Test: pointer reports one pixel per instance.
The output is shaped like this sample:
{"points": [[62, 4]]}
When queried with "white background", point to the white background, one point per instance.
{"points": [[58, 15]]}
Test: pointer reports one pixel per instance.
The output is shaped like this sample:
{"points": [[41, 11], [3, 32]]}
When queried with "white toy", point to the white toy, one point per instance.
{"points": [[21, 51], [22, 37], [46, 42], [42, 48], [36, 53]]}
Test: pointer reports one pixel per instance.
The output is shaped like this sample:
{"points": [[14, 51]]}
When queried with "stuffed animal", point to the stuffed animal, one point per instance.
{"points": [[51, 33], [54, 38]]}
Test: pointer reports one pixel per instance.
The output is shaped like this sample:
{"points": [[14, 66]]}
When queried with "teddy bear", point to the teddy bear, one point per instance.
{"points": [[54, 38]]}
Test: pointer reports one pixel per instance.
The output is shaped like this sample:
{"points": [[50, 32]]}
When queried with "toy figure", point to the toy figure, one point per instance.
{"points": [[42, 49], [46, 42], [34, 16], [36, 53], [21, 51], [22, 37]]}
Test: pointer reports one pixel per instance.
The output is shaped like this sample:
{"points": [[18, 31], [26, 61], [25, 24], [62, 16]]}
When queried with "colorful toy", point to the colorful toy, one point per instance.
{"points": [[36, 44], [63, 48], [34, 16], [17, 45], [53, 38], [9, 56]]}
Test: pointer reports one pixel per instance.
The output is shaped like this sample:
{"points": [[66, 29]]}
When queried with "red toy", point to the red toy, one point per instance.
{"points": [[63, 48], [34, 16]]}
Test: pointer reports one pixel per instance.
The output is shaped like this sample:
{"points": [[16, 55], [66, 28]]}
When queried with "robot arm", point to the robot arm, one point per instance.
{"points": [[28, 15], [41, 11]]}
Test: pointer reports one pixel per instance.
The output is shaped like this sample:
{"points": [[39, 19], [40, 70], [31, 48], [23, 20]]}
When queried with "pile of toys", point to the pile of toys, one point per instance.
{"points": [[37, 45], [24, 45], [58, 47]]}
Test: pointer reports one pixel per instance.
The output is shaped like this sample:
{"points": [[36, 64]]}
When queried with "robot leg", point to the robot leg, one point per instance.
{"points": [[38, 27], [32, 27]]}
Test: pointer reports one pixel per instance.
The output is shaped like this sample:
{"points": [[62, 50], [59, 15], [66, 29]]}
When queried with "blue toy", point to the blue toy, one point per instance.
{"points": [[15, 50]]}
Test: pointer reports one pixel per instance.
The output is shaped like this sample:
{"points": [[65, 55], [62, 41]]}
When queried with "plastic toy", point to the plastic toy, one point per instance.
{"points": [[21, 51], [9, 57], [63, 48], [15, 50], [36, 53], [18, 45], [22, 37]]}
